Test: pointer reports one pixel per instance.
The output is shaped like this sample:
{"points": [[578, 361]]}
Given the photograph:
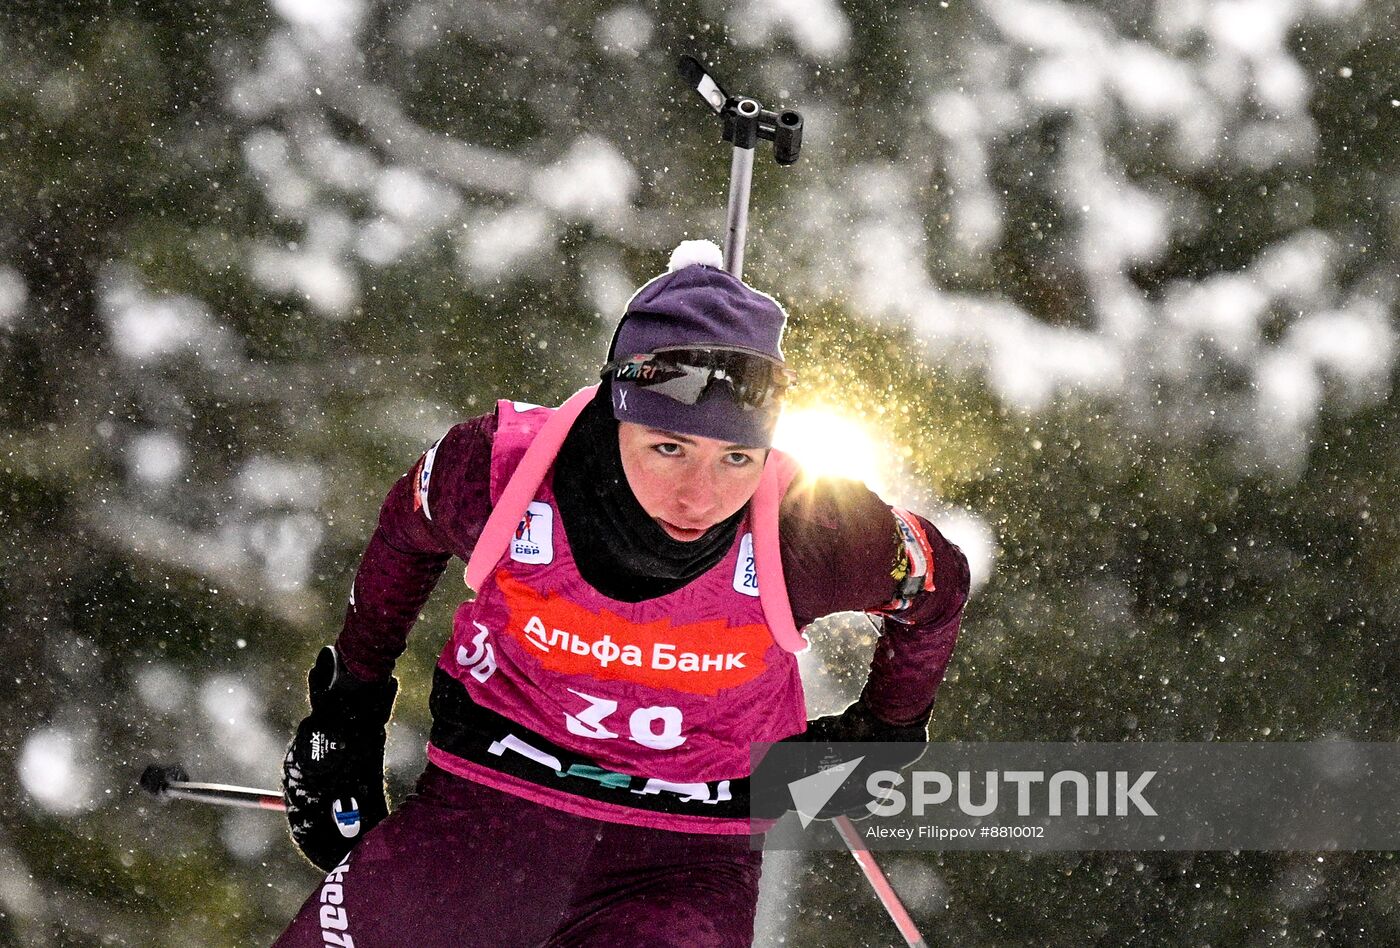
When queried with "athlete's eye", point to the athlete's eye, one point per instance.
{"points": [[739, 458], [667, 449]]}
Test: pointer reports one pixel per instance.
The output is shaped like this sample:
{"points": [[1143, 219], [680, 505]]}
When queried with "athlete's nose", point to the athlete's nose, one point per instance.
{"points": [[696, 497]]}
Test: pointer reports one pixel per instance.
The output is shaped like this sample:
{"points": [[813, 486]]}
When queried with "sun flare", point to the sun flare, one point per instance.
{"points": [[829, 444]]}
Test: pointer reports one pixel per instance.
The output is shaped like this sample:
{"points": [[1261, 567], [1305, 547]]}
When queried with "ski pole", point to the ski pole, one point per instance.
{"points": [[745, 122], [173, 782], [876, 877], [736, 223]]}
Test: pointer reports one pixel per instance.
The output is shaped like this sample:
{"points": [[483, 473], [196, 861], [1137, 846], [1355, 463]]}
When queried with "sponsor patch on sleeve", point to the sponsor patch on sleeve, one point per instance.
{"points": [[913, 568], [424, 478]]}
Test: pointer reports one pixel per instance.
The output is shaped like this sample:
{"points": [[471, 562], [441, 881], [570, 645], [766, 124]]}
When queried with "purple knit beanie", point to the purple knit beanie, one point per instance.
{"points": [[697, 303]]}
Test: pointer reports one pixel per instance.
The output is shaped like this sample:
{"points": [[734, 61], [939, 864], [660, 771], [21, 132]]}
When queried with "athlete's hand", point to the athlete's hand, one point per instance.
{"points": [[859, 724], [333, 775], [899, 745]]}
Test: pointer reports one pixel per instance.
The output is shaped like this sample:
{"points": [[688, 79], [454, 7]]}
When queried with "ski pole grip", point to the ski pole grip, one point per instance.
{"points": [[787, 137], [156, 779], [743, 122]]}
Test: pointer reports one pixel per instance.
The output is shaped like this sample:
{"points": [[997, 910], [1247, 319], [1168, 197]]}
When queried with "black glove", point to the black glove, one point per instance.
{"points": [[859, 723], [902, 745], [333, 775]]}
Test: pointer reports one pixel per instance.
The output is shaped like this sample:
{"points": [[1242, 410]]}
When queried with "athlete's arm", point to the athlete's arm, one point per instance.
{"points": [[434, 511], [913, 653], [839, 555]]}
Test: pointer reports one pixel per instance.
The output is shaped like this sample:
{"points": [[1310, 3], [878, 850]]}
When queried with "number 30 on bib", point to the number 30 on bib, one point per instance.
{"points": [[642, 724]]}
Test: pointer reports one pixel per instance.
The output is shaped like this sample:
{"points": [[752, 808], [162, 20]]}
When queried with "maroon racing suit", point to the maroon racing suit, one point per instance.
{"points": [[517, 853]]}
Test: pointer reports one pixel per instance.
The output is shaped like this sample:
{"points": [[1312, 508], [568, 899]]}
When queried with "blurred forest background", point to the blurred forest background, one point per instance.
{"points": [[1115, 280]]}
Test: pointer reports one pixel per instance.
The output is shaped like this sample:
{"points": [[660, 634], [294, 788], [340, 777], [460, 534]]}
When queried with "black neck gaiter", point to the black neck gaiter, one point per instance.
{"points": [[620, 550]]}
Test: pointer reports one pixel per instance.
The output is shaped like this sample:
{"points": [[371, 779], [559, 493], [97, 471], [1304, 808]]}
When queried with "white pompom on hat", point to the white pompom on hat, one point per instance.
{"points": [[689, 253]]}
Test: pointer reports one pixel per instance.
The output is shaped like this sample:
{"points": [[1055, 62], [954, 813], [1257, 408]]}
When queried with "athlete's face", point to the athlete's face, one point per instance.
{"points": [[687, 483]]}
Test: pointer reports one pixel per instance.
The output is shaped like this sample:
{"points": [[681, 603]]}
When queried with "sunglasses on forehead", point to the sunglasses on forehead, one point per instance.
{"points": [[684, 374]]}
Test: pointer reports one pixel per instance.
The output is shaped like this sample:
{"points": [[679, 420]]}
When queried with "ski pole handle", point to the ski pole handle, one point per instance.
{"points": [[173, 782], [746, 121]]}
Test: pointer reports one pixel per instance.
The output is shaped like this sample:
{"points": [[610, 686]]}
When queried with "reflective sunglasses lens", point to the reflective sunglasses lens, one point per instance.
{"points": [[684, 375], [683, 383]]}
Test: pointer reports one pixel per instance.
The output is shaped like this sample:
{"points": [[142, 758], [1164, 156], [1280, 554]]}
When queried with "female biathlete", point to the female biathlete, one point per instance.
{"points": [[641, 560]]}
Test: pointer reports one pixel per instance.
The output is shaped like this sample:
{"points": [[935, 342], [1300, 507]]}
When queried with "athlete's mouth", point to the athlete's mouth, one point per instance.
{"points": [[681, 533]]}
